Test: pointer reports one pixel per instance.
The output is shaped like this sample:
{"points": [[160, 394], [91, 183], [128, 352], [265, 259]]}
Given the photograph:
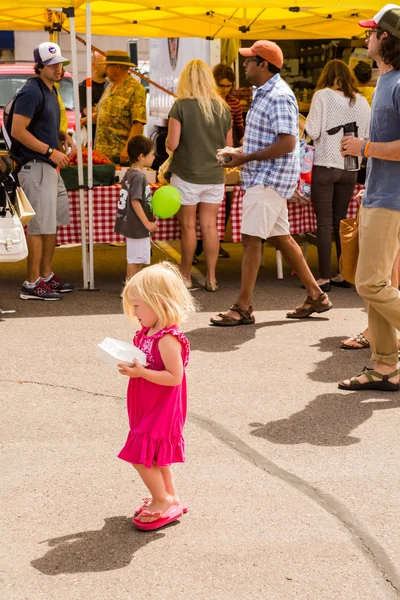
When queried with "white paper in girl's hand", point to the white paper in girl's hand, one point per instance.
{"points": [[117, 352]]}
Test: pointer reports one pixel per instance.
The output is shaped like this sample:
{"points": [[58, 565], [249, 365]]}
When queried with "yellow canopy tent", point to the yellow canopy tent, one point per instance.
{"points": [[241, 19], [28, 14], [251, 19]]}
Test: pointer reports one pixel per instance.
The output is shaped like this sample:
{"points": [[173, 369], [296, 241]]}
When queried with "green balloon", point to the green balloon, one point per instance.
{"points": [[166, 202]]}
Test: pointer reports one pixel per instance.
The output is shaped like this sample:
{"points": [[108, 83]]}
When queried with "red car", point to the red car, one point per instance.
{"points": [[13, 77]]}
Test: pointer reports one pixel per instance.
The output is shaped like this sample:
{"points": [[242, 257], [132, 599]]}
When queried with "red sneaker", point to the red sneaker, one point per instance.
{"points": [[58, 285]]}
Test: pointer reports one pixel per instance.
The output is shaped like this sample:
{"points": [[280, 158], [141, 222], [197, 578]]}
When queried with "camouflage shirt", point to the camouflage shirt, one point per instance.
{"points": [[116, 113]]}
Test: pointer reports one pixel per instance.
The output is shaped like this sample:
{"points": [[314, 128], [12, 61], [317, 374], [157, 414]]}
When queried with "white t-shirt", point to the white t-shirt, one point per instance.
{"points": [[330, 109]]}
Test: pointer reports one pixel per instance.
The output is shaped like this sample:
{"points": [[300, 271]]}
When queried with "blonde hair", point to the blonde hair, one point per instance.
{"points": [[161, 287], [197, 82]]}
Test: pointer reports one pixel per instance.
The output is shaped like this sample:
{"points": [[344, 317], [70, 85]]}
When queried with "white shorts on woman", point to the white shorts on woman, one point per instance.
{"points": [[194, 193]]}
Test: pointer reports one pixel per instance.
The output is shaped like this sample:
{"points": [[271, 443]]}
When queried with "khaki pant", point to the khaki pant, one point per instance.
{"points": [[379, 235]]}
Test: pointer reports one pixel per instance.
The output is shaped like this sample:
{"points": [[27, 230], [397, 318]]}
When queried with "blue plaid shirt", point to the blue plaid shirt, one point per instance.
{"points": [[274, 110]]}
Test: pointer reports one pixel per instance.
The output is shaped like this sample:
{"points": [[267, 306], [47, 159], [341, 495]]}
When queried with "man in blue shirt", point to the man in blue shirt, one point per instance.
{"points": [[379, 218], [36, 130], [271, 170]]}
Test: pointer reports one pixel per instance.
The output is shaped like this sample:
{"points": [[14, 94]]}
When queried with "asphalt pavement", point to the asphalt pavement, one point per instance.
{"points": [[292, 485]]}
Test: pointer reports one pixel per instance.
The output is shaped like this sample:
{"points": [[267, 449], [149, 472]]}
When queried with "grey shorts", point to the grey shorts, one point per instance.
{"points": [[46, 192]]}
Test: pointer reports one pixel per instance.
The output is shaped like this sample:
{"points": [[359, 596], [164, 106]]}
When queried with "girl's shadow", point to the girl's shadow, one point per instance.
{"points": [[328, 420], [109, 548]]}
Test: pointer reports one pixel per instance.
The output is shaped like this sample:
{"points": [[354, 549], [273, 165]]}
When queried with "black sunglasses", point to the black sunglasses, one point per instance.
{"points": [[257, 59]]}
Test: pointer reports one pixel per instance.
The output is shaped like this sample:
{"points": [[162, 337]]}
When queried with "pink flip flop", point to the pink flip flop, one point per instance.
{"points": [[147, 501], [170, 515]]}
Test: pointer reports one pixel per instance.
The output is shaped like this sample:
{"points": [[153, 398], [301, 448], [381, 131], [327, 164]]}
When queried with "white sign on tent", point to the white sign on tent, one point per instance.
{"points": [[167, 60]]}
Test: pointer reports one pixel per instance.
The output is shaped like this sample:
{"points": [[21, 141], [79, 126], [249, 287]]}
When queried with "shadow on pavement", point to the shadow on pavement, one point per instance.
{"points": [[109, 548], [225, 339], [328, 420], [270, 294], [342, 364]]}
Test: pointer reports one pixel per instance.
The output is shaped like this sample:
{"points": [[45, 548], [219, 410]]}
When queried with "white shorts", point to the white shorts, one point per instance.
{"points": [[138, 252], [265, 213], [193, 193]]}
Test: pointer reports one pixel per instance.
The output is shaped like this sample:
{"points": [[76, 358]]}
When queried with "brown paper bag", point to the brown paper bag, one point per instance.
{"points": [[350, 249], [164, 174], [23, 206]]}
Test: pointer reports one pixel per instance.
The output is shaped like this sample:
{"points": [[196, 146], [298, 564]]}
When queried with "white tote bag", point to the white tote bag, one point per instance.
{"points": [[12, 236]]}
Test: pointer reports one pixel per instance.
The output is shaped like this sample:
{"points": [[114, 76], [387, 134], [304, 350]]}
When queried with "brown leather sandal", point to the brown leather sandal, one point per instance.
{"points": [[246, 318], [309, 307]]}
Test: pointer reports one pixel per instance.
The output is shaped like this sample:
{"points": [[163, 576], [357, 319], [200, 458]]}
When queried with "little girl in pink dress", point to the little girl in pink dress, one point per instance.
{"points": [[157, 298]]}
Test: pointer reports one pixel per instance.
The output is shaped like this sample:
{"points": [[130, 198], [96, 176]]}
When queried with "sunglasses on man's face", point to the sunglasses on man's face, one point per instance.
{"points": [[256, 59], [369, 32]]}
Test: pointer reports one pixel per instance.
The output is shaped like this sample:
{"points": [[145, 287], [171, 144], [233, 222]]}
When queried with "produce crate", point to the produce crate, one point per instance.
{"points": [[102, 175]]}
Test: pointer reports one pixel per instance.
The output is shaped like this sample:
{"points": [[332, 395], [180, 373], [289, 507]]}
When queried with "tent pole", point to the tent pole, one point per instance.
{"points": [[90, 140], [237, 72], [70, 12]]}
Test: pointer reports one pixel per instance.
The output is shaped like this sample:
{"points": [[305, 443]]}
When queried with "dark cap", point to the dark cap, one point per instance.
{"points": [[363, 71]]}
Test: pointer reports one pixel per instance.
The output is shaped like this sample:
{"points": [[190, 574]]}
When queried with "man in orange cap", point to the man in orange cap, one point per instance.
{"points": [[271, 169], [379, 217]]}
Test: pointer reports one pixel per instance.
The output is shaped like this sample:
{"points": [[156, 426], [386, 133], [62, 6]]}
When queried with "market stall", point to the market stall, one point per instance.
{"points": [[241, 20]]}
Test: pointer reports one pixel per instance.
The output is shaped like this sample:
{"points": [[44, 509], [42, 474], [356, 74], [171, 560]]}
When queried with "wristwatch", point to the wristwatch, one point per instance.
{"points": [[49, 151]]}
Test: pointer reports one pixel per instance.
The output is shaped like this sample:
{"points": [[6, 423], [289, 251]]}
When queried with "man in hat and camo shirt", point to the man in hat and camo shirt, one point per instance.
{"points": [[121, 112]]}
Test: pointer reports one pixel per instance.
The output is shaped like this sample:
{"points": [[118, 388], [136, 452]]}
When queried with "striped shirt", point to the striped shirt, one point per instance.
{"points": [[273, 111], [237, 118]]}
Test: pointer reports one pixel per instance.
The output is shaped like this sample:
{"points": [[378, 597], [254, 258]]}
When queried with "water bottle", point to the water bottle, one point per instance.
{"points": [[351, 162]]}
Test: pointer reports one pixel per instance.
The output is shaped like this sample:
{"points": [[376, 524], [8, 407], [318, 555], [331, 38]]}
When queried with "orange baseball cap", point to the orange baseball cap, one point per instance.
{"points": [[267, 50]]}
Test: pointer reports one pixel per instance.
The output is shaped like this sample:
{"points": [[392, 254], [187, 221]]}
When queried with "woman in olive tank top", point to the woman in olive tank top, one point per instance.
{"points": [[199, 124]]}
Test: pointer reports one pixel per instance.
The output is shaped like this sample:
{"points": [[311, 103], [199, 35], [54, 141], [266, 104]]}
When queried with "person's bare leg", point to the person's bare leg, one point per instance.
{"points": [[169, 482], [395, 283], [132, 269], [250, 265], [161, 499], [208, 225], [290, 249], [187, 221], [35, 249], [49, 245]]}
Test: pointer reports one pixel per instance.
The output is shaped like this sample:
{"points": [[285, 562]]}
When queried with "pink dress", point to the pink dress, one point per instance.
{"points": [[157, 413]]}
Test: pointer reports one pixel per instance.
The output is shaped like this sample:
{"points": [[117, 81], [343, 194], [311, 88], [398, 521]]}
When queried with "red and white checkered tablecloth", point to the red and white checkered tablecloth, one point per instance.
{"points": [[301, 216], [105, 200]]}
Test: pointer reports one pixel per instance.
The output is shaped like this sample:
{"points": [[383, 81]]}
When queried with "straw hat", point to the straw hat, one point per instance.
{"points": [[117, 57]]}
